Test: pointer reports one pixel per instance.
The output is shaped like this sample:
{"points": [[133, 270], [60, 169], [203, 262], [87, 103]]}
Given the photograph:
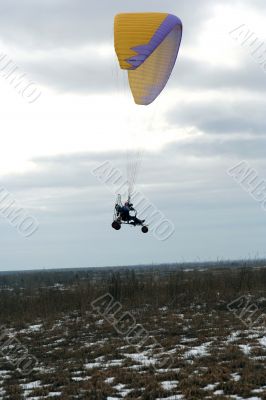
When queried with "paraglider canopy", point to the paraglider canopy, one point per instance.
{"points": [[147, 46]]}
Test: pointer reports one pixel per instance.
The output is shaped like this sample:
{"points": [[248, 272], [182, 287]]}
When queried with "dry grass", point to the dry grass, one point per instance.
{"points": [[81, 356]]}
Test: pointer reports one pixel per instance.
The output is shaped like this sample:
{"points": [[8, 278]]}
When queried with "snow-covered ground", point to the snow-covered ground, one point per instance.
{"points": [[207, 354]]}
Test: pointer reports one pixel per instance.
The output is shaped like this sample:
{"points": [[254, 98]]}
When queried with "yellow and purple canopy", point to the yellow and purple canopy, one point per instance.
{"points": [[147, 46]]}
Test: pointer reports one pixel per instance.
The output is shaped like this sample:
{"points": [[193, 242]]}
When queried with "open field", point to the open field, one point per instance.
{"points": [[146, 333]]}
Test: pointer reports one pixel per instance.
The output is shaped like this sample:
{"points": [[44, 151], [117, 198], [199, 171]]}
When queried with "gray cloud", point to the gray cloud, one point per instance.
{"points": [[70, 72], [186, 179], [53, 32], [75, 212], [49, 24], [63, 172], [74, 74], [247, 77], [227, 116]]}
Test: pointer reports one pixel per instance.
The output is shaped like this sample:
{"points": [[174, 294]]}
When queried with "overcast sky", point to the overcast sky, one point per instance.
{"points": [[210, 117]]}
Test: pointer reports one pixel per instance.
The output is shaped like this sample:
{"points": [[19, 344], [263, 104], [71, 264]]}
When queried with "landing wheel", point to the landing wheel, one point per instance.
{"points": [[116, 225], [145, 229]]}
